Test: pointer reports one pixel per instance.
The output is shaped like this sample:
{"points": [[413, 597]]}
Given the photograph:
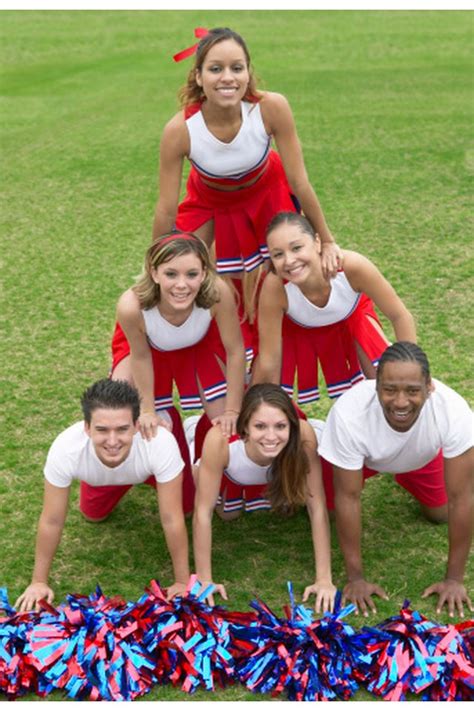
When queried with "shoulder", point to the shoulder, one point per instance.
{"points": [[128, 304], [273, 288], [307, 433], [355, 264], [274, 108], [70, 440], [175, 134], [445, 398], [216, 447]]}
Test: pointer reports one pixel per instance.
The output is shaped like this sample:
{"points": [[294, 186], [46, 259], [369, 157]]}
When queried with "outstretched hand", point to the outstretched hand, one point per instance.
{"points": [[35, 592], [360, 593], [218, 588], [325, 593], [452, 593]]}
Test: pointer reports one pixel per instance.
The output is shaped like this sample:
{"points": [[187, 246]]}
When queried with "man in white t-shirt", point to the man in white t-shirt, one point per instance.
{"points": [[108, 455], [399, 424]]}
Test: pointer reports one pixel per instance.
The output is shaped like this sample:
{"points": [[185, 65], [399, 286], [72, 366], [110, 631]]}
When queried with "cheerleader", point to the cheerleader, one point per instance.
{"points": [[305, 317], [237, 183], [179, 325], [276, 450]]}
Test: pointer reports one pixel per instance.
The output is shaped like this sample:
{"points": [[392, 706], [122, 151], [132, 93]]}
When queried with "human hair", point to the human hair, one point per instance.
{"points": [[287, 486], [176, 244], [404, 351], [110, 395], [191, 92], [289, 218]]}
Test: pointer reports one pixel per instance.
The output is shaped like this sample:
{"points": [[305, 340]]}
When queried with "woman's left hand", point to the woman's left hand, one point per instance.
{"points": [[325, 593], [175, 589], [228, 422], [331, 259]]}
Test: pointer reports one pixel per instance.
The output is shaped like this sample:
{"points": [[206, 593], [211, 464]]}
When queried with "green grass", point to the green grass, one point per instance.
{"points": [[383, 103]]}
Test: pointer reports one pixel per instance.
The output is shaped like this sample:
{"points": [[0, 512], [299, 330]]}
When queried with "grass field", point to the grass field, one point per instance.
{"points": [[384, 106]]}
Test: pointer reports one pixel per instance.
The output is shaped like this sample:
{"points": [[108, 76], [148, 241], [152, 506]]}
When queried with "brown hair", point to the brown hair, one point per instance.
{"points": [[287, 487], [191, 92], [171, 245]]}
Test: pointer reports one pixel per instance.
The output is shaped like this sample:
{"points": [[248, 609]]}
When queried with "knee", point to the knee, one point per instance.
{"points": [[435, 514], [94, 520]]}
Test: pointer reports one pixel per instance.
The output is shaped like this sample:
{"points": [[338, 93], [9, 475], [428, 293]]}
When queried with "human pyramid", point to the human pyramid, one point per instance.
{"points": [[244, 293]]}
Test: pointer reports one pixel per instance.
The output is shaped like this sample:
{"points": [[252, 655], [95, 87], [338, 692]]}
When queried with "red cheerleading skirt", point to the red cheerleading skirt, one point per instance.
{"points": [[240, 216], [185, 367], [334, 348]]}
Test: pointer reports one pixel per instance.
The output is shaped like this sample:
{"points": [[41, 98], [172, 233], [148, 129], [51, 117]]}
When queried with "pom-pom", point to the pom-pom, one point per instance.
{"points": [[308, 658], [409, 653]]}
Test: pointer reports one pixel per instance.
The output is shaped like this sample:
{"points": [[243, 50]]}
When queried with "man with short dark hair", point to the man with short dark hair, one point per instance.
{"points": [[108, 455], [410, 425]]}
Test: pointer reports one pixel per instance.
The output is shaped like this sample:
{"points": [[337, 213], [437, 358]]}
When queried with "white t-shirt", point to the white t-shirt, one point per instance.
{"points": [[357, 433], [72, 456]]}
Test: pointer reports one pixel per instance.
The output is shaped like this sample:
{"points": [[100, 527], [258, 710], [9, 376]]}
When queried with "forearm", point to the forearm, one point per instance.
{"points": [[313, 211], [235, 374], [48, 538], [348, 523], [202, 543], [460, 531], [163, 222], [404, 327], [176, 537], [321, 536], [143, 376]]}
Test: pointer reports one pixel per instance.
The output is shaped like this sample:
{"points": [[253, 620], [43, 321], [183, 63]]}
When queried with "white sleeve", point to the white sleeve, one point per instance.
{"points": [[57, 470], [165, 457], [337, 446], [459, 436]]}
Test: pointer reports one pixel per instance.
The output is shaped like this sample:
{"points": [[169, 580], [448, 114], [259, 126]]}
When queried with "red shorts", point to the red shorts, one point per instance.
{"points": [[426, 484], [334, 348], [241, 217], [97, 502]]}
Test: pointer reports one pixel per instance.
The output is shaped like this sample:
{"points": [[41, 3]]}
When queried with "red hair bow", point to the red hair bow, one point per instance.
{"points": [[199, 32]]}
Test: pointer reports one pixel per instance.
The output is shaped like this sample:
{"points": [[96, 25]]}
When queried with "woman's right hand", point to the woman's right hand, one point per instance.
{"points": [[33, 594], [148, 422], [218, 588]]}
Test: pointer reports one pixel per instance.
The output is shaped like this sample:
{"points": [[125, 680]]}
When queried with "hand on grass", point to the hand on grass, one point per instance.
{"points": [[325, 593], [452, 593], [218, 588], [33, 594], [175, 589], [360, 593]]}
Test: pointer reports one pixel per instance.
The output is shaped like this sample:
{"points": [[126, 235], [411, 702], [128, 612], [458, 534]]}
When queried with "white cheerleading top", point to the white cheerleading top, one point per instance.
{"points": [[341, 303], [247, 152], [241, 469], [165, 336]]}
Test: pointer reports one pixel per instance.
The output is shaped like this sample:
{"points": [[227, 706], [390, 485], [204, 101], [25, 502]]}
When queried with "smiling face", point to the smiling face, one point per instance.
{"points": [[294, 253], [267, 433], [179, 279], [224, 74], [111, 432], [402, 390]]}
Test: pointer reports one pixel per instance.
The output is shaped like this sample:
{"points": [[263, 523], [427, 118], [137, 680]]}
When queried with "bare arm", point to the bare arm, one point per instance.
{"points": [[227, 320], [323, 587], [272, 305], [364, 276], [215, 457], [173, 148], [279, 121], [459, 480], [131, 320], [50, 528], [172, 520], [347, 489]]}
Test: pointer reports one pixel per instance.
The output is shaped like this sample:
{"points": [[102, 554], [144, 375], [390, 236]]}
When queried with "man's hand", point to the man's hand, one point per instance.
{"points": [[359, 592], [452, 593], [325, 593], [32, 595]]}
